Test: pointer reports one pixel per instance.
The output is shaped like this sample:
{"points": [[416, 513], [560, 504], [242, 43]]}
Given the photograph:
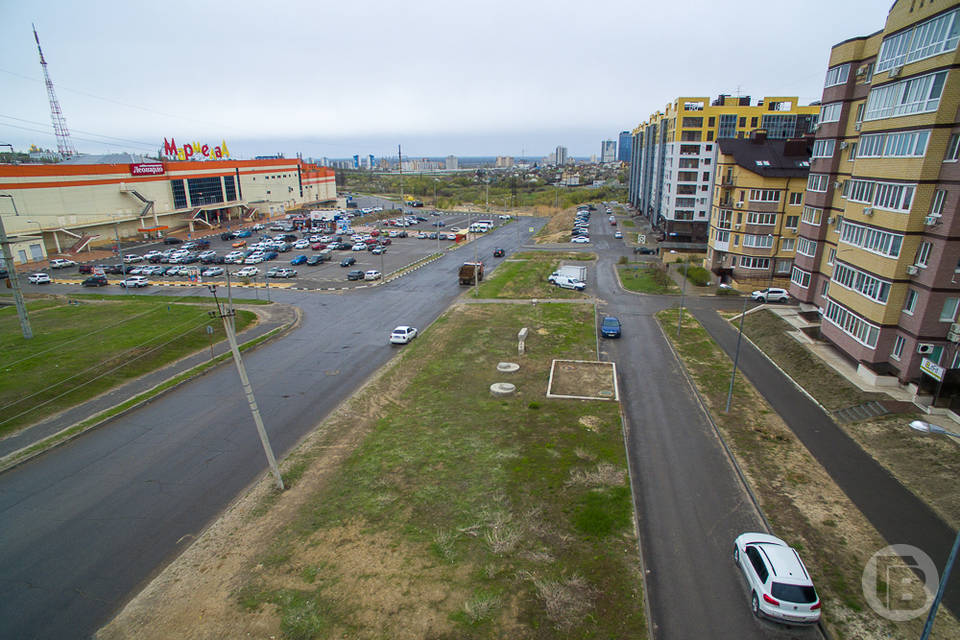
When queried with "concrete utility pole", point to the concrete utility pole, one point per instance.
{"points": [[228, 320], [400, 166], [12, 275]]}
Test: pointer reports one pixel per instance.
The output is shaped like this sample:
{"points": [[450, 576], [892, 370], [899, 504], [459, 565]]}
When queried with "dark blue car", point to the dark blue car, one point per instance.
{"points": [[610, 327], [298, 260], [242, 234]]}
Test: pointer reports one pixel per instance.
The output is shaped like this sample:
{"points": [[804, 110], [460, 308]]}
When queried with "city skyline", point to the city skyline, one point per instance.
{"points": [[334, 81]]}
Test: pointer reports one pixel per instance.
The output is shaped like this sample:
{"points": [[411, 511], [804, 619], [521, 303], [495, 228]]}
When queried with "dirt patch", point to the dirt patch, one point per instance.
{"points": [[577, 379], [590, 422], [557, 228]]}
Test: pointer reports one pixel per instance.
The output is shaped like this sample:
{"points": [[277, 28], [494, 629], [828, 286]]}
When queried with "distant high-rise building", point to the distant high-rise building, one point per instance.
{"points": [[504, 162], [452, 164], [608, 151], [560, 156], [623, 150], [356, 161]]}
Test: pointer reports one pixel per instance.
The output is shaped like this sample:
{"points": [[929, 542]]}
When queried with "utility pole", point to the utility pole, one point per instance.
{"points": [[12, 275], [400, 160], [228, 320]]}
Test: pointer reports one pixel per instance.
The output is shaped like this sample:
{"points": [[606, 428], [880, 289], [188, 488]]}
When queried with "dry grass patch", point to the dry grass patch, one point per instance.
{"points": [[557, 228], [579, 379]]}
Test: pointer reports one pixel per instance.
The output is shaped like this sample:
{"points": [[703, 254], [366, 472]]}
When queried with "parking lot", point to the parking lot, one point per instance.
{"points": [[399, 253]]}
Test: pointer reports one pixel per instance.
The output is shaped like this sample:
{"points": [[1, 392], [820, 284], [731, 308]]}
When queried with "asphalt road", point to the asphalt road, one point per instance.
{"points": [[83, 526]]}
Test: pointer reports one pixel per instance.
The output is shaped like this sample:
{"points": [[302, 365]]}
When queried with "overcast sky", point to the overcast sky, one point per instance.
{"points": [[438, 76]]}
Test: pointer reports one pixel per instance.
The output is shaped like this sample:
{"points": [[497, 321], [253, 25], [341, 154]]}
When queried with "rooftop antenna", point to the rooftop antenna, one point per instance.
{"points": [[64, 143]]}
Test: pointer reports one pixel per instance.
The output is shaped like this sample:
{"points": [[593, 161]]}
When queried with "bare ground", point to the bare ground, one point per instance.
{"points": [[582, 379]]}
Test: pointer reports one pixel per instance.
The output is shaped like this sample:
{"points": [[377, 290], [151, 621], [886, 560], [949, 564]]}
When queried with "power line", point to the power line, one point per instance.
{"points": [[92, 133]]}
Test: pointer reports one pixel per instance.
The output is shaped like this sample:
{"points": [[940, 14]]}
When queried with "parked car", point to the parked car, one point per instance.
{"points": [[85, 268], [403, 335], [565, 282], [239, 243], [61, 263], [212, 271], [618, 235], [301, 259], [39, 278], [645, 251], [580, 240], [243, 233], [378, 250], [95, 281], [780, 586], [771, 294], [355, 274], [172, 240], [371, 275], [247, 272], [610, 327], [314, 260], [498, 253], [347, 262], [282, 272]]}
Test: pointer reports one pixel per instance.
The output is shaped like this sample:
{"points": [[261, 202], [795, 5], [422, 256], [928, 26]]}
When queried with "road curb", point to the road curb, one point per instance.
{"points": [[23, 455]]}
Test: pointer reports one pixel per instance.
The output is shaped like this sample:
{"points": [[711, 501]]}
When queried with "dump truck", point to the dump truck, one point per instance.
{"points": [[469, 270]]}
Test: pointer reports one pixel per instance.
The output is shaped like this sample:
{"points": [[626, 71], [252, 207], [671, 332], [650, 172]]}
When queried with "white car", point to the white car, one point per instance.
{"points": [[772, 294], [61, 263], [247, 272], [359, 247], [39, 278], [135, 281], [233, 255], [402, 335], [254, 258], [371, 275], [566, 282], [212, 271], [301, 244], [780, 587], [618, 235], [581, 240]]}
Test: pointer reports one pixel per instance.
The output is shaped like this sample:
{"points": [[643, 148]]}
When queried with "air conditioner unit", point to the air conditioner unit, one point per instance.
{"points": [[830, 220], [913, 270], [894, 72], [868, 211], [931, 221], [924, 348], [740, 203], [844, 145], [856, 125]]}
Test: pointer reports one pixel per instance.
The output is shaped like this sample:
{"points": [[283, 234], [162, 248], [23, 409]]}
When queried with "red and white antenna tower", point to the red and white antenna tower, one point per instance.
{"points": [[64, 143]]}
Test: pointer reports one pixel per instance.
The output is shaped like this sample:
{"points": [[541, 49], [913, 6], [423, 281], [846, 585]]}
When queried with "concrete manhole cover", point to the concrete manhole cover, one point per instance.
{"points": [[503, 389], [507, 367]]}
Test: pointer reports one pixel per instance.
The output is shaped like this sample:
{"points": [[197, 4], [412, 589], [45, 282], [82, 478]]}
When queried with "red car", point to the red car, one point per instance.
{"points": [[386, 241], [370, 241], [317, 246], [375, 233]]}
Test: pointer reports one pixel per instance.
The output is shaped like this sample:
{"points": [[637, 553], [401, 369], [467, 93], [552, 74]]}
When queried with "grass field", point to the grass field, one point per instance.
{"points": [[464, 515], [646, 278], [802, 503], [81, 350], [524, 276]]}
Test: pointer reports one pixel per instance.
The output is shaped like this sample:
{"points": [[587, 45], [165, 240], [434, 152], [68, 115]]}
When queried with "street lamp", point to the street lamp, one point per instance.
{"points": [[926, 427]]}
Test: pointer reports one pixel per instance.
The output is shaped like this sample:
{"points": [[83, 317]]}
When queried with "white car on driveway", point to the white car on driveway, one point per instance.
{"points": [[772, 294], [779, 584], [403, 335], [61, 263], [135, 282]]}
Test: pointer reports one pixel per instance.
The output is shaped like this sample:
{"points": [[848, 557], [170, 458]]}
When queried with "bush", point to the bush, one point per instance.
{"points": [[698, 275], [622, 260]]}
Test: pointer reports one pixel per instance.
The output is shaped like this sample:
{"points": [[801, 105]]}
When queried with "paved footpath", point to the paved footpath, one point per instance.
{"points": [[899, 516]]}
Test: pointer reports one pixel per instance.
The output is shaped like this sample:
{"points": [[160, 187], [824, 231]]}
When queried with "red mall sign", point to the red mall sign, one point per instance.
{"points": [[147, 169]]}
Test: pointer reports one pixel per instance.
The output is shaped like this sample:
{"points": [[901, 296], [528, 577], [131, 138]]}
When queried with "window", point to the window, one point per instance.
{"points": [[229, 188], [863, 283], [831, 255], [922, 257], [852, 154], [800, 277], [787, 244], [757, 242], [938, 198], [830, 112], [689, 163], [807, 247], [824, 148], [796, 197], [205, 190], [867, 75], [883, 195], [791, 222], [179, 195], [753, 123], [811, 215], [752, 262], [837, 75], [754, 217], [876, 241], [743, 122], [824, 288], [724, 218], [907, 144], [914, 95], [728, 126], [924, 40], [764, 195], [949, 310], [911, 302], [818, 182], [852, 324], [898, 343], [953, 149]]}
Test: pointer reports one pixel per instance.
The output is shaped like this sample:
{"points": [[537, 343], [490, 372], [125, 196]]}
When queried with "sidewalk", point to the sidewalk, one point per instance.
{"points": [[270, 317]]}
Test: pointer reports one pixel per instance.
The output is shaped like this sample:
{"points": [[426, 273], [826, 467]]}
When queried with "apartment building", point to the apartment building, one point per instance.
{"points": [[877, 252], [757, 206], [672, 154], [608, 151]]}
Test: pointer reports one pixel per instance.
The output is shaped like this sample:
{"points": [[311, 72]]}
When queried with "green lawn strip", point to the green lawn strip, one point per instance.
{"points": [[646, 278], [82, 350], [524, 275], [765, 452], [183, 299], [82, 426], [927, 466], [515, 509], [628, 223]]}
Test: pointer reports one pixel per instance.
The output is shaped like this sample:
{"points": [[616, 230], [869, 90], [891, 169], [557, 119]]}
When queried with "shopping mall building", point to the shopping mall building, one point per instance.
{"points": [[92, 200]]}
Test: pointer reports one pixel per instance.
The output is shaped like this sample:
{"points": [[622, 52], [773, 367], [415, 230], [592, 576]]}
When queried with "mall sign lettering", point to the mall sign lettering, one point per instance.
{"points": [[190, 150], [147, 169]]}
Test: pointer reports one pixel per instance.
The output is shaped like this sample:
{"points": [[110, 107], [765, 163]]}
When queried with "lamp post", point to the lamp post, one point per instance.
{"points": [[12, 274], [926, 427]]}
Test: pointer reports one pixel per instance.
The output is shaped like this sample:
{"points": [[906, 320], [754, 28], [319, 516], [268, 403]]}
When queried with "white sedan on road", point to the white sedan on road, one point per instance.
{"points": [[581, 240], [39, 278], [403, 335], [371, 275], [780, 587]]}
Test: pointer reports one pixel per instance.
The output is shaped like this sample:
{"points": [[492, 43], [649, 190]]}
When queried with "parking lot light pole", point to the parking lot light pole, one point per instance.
{"points": [[926, 427], [736, 355], [12, 275]]}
